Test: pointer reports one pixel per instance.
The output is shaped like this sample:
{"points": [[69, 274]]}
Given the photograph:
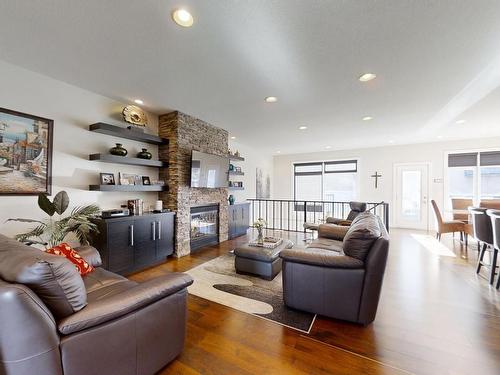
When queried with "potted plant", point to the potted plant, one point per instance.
{"points": [[51, 231]]}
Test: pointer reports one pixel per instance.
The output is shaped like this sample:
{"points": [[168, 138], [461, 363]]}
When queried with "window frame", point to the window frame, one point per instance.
{"points": [[323, 164]]}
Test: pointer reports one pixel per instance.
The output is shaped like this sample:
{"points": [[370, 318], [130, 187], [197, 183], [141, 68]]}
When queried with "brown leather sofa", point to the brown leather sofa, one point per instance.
{"points": [[342, 278], [53, 321]]}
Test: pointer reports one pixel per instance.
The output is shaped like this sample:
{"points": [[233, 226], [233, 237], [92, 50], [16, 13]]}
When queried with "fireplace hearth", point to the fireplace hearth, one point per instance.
{"points": [[204, 226]]}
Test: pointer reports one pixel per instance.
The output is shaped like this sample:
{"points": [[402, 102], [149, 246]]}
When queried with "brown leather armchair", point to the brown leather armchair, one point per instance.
{"points": [[344, 283], [119, 326], [356, 209]]}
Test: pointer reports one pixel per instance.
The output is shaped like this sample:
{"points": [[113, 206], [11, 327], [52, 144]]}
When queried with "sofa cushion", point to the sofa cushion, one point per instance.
{"points": [[320, 257], [81, 264], [327, 244], [99, 279], [53, 278], [332, 231], [364, 230]]}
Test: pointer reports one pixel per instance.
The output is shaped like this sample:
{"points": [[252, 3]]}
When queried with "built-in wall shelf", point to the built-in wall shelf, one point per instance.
{"points": [[134, 135], [236, 158], [236, 173], [106, 158], [128, 188], [236, 188]]}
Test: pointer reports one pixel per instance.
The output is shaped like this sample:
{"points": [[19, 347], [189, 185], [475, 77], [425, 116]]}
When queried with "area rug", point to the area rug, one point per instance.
{"points": [[217, 281]]}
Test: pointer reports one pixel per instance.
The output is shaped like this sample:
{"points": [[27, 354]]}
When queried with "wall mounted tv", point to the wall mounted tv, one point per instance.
{"points": [[209, 171]]}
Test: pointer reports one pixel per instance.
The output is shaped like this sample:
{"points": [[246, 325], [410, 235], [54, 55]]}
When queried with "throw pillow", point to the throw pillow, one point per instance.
{"points": [[363, 231], [65, 250]]}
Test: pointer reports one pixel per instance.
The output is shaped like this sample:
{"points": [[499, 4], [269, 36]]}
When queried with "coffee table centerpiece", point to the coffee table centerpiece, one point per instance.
{"points": [[260, 224]]}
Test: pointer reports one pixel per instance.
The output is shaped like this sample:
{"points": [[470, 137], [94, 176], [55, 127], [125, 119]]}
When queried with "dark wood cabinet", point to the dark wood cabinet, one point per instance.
{"points": [[239, 219], [131, 243]]}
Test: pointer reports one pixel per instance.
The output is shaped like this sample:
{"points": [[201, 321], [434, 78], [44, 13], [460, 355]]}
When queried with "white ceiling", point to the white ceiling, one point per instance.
{"points": [[436, 61]]}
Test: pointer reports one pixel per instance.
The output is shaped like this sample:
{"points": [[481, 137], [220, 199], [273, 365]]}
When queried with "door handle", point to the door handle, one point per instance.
{"points": [[131, 232], [159, 230], [153, 226]]}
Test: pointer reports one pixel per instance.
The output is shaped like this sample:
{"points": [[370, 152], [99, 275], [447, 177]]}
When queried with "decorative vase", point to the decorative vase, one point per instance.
{"points": [[231, 167], [144, 154], [231, 199], [118, 150], [260, 237]]}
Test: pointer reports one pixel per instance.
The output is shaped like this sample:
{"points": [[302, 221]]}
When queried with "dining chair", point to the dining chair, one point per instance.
{"points": [[495, 223], [493, 204], [483, 232], [460, 209], [450, 226]]}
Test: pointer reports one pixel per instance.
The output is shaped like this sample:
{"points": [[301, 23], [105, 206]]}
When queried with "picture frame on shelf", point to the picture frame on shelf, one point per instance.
{"points": [[146, 180], [127, 178], [107, 178]]}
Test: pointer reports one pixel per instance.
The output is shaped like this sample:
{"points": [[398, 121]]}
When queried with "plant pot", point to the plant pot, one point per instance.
{"points": [[118, 150], [144, 154]]}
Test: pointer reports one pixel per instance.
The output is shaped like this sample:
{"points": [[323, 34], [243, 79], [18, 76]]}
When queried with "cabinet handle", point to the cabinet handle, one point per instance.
{"points": [[153, 225], [131, 231], [159, 230]]}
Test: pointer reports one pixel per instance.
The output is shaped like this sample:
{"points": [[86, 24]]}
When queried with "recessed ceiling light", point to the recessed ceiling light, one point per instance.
{"points": [[138, 101], [278, 152], [391, 141], [367, 77], [367, 118], [460, 122], [182, 18], [302, 127], [271, 99], [233, 137], [327, 147], [439, 137]]}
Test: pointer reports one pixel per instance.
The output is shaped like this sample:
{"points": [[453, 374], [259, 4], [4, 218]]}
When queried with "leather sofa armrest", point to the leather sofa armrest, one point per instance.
{"points": [[90, 254], [332, 231], [130, 300], [320, 257]]}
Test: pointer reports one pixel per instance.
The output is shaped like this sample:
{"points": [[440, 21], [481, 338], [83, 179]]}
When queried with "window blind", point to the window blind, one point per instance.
{"points": [[490, 158], [463, 160]]}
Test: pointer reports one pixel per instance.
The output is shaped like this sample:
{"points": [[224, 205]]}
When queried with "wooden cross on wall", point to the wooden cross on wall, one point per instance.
{"points": [[376, 176]]}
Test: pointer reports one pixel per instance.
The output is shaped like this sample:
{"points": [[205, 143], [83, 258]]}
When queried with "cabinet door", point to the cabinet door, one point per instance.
{"points": [[144, 241], [120, 246], [231, 222], [246, 217], [165, 236]]}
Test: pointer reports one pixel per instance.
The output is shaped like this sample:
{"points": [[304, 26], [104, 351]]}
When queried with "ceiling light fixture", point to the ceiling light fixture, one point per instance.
{"points": [[367, 118], [328, 147], [458, 122], [278, 152], [302, 127], [391, 141], [367, 77], [271, 99], [233, 137], [439, 137], [182, 18], [138, 101]]}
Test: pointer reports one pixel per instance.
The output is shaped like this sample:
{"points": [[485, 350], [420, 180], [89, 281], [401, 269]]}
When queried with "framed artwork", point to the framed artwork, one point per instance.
{"points": [[128, 179], [107, 179], [146, 180], [25, 153]]}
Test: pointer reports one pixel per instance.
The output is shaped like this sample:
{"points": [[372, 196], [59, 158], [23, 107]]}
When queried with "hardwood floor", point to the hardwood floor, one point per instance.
{"points": [[435, 316]]}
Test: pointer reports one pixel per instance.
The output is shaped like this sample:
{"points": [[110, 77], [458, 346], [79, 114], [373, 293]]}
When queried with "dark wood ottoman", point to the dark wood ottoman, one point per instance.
{"points": [[260, 261]]}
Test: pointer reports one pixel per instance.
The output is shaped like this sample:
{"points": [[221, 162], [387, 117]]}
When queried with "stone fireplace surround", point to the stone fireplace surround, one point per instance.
{"points": [[185, 134]]}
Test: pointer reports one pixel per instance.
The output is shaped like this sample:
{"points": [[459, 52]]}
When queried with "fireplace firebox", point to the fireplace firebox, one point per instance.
{"points": [[204, 226]]}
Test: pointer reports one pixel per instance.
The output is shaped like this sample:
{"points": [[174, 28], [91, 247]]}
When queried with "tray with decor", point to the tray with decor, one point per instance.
{"points": [[269, 242]]}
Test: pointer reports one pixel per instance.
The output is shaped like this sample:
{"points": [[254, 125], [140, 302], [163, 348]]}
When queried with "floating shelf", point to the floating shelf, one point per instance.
{"points": [[236, 188], [235, 173], [105, 158], [237, 158], [134, 135], [128, 187]]}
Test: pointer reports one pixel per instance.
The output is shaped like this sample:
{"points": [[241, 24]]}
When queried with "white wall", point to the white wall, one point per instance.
{"points": [[253, 159], [382, 160], [72, 110]]}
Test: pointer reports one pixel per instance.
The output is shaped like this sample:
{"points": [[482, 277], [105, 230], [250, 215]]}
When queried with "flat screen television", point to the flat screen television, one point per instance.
{"points": [[209, 171]]}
